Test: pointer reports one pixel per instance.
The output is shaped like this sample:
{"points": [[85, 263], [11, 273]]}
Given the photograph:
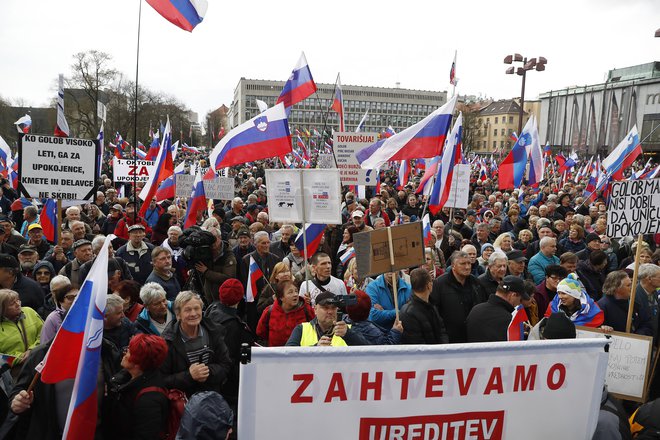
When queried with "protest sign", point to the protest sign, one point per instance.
{"points": [[184, 185], [128, 170], [628, 365], [459, 191], [322, 196], [325, 160], [431, 392], [372, 249], [57, 167], [345, 145], [634, 208], [220, 188]]}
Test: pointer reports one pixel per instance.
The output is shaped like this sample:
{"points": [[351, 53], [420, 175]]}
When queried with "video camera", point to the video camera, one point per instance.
{"points": [[197, 245]]}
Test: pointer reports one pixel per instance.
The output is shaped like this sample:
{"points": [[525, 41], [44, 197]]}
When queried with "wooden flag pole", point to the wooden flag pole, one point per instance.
{"points": [[633, 289]]}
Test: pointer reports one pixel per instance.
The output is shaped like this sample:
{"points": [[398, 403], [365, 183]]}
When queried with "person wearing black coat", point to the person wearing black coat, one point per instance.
{"points": [[615, 303], [201, 363], [29, 291], [421, 322], [592, 273], [489, 321], [454, 294]]}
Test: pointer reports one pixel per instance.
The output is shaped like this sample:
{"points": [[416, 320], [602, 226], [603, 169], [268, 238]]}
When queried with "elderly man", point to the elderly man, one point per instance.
{"points": [[593, 244], [325, 329], [79, 231], [236, 209], [375, 212], [244, 245], [29, 291], [420, 319], [82, 251], [60, 254], [459, 226], [117, 328], [36, 239], [489, 321], [454, 294], [112, 219], [647, 289], [481, 236], [174, 233], [517, 262], [30, 217], [442, 243], [163, 274], [137, 253], [131, 218], [157, 312], [266, 262], [222, 267], [10, 236], [357, 218], [543, 230], [497, 265], [545, 257], [281, 247], [477, 269], [27, 258]]}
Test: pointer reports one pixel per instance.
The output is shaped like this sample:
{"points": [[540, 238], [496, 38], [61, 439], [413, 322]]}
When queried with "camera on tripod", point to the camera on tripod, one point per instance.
{"points": [[197, 245]]}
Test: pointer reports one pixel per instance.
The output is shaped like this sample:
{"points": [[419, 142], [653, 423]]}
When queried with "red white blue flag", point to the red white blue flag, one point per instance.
{"points": [[516, 329], [338, 104], [185, 14], [166, 189], [48, 220], [254, 275], [299, 86], [452, 72], [512, 168], [76, 350], [62, 127], [623, 155], [313, 236], [23, 124], [451, 156], [164, 169], [426, 229]]}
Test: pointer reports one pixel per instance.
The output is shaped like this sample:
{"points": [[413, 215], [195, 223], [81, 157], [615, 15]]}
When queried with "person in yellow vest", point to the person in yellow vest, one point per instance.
{"points": [[324, 329]]}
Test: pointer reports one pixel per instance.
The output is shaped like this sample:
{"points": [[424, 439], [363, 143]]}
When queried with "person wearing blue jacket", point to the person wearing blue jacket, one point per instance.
{"points": [[382, 300]]}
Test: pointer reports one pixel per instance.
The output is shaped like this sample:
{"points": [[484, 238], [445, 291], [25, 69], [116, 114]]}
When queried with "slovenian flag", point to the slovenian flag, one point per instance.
{"points": [[154, 147], [313, 235], [299, 86], [424, 139], [197, 201], [254, 274], [75, 353], [48, 220], [426, 228], [516, 328], [426, 183], [185, 14], [167, 187], [623, 155], [23, 124], [266, 135], [164, 169], [451, 156], [346, 256], [512, 168]]}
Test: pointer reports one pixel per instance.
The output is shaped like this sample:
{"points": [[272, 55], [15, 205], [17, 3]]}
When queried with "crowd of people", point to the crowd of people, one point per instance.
{"points": [[177, 311]]}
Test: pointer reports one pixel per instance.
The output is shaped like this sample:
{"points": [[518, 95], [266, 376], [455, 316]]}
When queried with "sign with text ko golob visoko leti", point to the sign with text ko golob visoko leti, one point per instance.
{"points": [[318, 191], [502, 390], [345, 145], [57, 167], [634, 208], [128, 170]]}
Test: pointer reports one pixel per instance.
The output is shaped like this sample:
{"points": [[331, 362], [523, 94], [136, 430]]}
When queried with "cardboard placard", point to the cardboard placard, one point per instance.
{"points": [[220, 188], [628, 365], [184, 185], [634, 208], [372, 249], [57, 167]]}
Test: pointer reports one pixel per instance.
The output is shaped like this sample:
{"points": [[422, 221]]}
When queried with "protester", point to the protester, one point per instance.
{"points": [[283, 315], [420, 319], [573, 300], [617, 289], [157, 312], [129, 291], [64, 294], [383, 311], [162, 273], [358, 318], [20, 327]]}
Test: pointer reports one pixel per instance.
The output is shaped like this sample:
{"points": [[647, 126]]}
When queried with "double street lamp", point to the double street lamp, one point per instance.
{"points": [[531, 64]]}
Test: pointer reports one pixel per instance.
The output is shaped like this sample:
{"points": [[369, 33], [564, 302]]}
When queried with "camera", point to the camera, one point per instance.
{"points": [[197, 245]]}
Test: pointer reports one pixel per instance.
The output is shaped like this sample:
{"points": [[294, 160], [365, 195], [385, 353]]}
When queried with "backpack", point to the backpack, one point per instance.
{"points": [[177, 402]]}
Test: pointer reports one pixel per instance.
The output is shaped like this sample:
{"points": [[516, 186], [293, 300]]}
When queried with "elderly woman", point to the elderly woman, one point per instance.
{"points": [[575, 240], [129, 291], [614, 304], [430, 266], [573, 301], [278, 321], [44, 272], [157, 312], [140, 406], [20, 327], [353, 280], [503, 242], [198, 359], [525, 237], [281, 273], [64, 294], [487, 250]]}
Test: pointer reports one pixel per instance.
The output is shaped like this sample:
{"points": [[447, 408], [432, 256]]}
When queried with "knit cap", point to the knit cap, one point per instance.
{"points": [[571, 285]]}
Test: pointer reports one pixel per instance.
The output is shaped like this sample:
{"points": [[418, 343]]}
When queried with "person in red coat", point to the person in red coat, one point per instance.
{"points": [[130, 218], [278, 321]]}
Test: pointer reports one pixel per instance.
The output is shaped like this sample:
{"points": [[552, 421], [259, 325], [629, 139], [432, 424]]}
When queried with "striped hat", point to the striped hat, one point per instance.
{"points": [[571, 285]]}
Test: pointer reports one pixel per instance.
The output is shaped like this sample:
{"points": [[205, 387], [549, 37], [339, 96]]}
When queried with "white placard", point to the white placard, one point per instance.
{"points": [[220, 188], [433, 392], [628, 365], [322, 196], [101, 110], [459, 192], [634, 208], [184, 185], [57, 167], [345, 145], [128, 170], [325, 161]]}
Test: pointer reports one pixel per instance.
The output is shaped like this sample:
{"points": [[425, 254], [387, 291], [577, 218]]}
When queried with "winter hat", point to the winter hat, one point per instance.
{"points": [[46, 264], [571, 285], [486, 246], [558, 326], [231, 292]]}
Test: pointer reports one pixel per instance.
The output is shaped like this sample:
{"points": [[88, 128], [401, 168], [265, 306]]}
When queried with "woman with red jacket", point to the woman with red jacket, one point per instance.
{"points": [[278, 320]]}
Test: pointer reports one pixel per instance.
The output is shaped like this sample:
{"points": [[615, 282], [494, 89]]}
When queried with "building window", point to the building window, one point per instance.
{"points": [[501, 144], [510, 119], [495, 132], [496, 119], [494, 145], [487, 120]]}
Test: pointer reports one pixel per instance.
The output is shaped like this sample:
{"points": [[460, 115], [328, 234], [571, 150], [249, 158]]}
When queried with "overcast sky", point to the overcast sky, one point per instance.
{"points": [[372, 43]]}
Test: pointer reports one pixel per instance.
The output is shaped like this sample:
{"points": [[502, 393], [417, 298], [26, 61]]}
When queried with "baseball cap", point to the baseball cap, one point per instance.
{"points": [[516, 255], [357, 213], [326, 299], [34, 226], [459, 214], [591, 237], [136, 227], [511, 283], [117, 207], [27, 248], [9, 261], [471, 212], [243, 233]]}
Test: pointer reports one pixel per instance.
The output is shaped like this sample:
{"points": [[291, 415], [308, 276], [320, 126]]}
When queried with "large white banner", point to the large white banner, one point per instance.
{"points": [[491, 391], [634, 208]]}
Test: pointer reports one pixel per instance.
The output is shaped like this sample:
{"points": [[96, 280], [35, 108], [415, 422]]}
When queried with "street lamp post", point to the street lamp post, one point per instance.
{"points": [[532, 64]]}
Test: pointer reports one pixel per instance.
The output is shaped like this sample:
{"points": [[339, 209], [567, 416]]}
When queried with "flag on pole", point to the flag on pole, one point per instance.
{"points": [[426, 182], [155, 146], [623, 155], [197, 201], [48, 220], [167, 187], [62, 127], [424, 139], [76, 350], [516, 329], [512, 168], [451, 156], [254, 275], [261, 105], [299, 86], [5, 155], [23, 124], [452, 72], [426, 228], [346, 256], [338, 104], [363, 121], [313, 235], [99, 156], [164, 168], [265, 135], [185, 14], [402, 175], [535, 153]]}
